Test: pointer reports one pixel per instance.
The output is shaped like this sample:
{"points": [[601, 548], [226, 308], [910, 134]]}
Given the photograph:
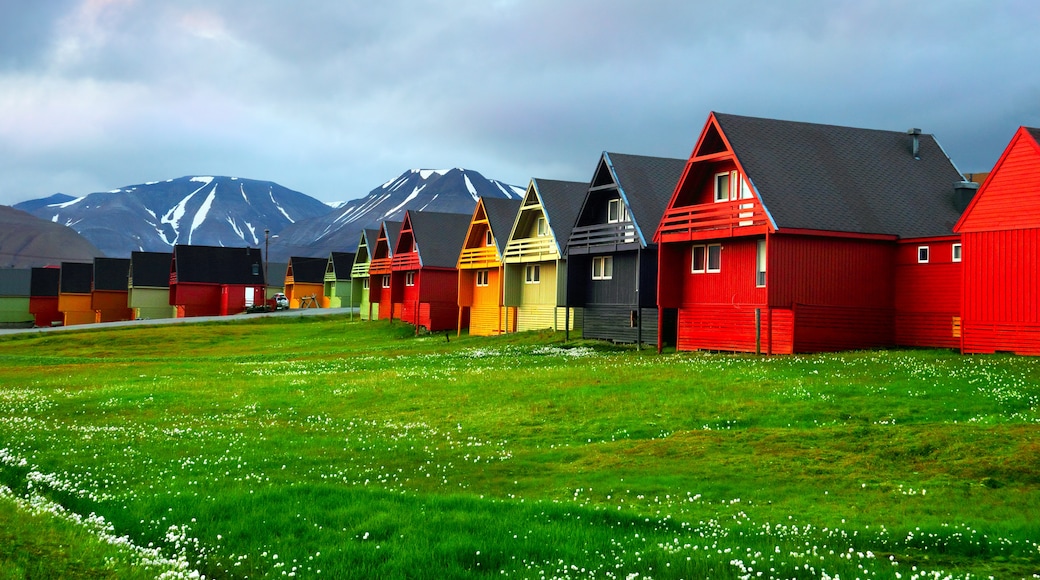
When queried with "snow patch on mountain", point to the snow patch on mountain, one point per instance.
{"points": [[200, 216]]}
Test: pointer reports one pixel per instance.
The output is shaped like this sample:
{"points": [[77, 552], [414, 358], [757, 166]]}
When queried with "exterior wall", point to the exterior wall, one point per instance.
{"points": [[151, 303], [15, 310], [433, 302], [1008, 199], [209, 299], [45, 310], [1001, 305], [620, 323], [733, 328], [297, 291], [337, 294], [75, 309], [928, 296], [111, 305], [487, 315], [547, 316]]}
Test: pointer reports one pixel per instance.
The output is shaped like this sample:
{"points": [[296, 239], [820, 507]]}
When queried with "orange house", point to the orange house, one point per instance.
{"points": [[74, 294], [111, 296], [481, 268], [305, 282]]}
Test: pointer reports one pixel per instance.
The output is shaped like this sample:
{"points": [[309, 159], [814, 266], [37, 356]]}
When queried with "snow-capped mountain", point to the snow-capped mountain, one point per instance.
{"points": [[200, 210], [444, 190]]}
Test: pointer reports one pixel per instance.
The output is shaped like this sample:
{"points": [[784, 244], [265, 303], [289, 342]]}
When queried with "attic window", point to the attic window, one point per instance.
{"points": [[617, 211], [956, 257], [542, 227], [922, 254], [723, 184], [256, 269], [489, 240]]}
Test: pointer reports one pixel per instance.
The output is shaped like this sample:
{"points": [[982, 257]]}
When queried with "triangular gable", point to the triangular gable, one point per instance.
{"points": [[478, 227], [386, 240], [339, 264], [406, 239], [1014, 183], [711, 141]]}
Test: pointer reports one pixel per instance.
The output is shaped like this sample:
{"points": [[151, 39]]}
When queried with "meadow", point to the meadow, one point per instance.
{"points": [[321, 447]]}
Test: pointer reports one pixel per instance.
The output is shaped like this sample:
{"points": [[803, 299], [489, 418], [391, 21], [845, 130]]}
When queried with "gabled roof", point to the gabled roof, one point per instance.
{"points": [[392, 230], [112, 273], [150, 269], [218, 265], [369, 236], [438, 236], [76, 277], [341, 264], [501, 212], [46, 281], [1014, 203], [561, 201], [15, 282], [276, 274], [844, 179], [307, 270]]}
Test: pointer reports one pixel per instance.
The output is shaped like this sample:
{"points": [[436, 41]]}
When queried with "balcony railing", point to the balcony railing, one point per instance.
{"points": [[380, 266], [484, 257], [618, 234], [539, 248], [405, 261], [359, 270], [725, 219]]}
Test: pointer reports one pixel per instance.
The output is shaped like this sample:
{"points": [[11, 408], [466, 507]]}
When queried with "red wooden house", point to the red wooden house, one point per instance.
{"points": [[424, 275], [215, 281], [43, 296], [481, 269], [74, 296], [1000, 233], [784, 237], [111, 296], [611, 254], [380, 271]]}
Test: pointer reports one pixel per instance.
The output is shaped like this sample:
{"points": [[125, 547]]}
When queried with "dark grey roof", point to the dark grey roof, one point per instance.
{"points": [[218, 265], [561, 201], [76, 277], [501, 212], [646, 185], [341, 264], [393, 231], [307, 270], [15, 282], [1035, 133], [45, 281], [371, 236], [150, 269], [111, 273], [439, 236], [276, 274], [844, 179]]}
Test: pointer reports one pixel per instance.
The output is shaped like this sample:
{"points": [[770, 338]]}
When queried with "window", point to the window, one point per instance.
{"points": [[706, 259], [542, 227], [617, 211], [482, 277], [956, 253], [364, 283], [489, 240], [409, 278], [603, 268], [532, 274], [760, 264], [922, 254], [386, 281], [723, 185]]}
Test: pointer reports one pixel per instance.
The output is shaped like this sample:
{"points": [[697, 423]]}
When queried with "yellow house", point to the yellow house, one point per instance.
{"points": [[535, 282], [480, 268], [305, 282]]}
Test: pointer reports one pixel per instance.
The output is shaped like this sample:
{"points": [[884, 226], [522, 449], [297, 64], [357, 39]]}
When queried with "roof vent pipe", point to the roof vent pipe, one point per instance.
{"points": [[916, 134]]}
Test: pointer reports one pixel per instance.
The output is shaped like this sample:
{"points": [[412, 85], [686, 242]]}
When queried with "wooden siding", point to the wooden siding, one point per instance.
{"points": [[487, 316], [1001, 303], [297, 291], [928, 296], [75, 309], [833, 328], [15, 310], [546, 316], [615, 323], [111, 305], [1010, 198], [729, 327], [45, 310], [830, 271], [150, 303], [490, 320]]}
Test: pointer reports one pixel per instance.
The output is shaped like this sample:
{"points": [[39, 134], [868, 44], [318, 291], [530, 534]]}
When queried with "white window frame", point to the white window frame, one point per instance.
{"points": [[693, 259], [409, 278], [386, 281], [717, 248], [956, 253], [621, 211], [489, 240], [482, 278], [533, 274], [730, 192], [923, 253], [603, 268], [760, 264], [364, 283], [541, 227]]}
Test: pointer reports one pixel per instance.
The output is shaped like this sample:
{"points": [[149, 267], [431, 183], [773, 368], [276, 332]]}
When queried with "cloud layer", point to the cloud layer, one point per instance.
{"points": [[334, 98]]}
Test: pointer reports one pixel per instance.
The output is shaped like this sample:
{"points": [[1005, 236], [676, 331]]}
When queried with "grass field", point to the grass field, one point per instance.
{"points": [[319, 447]]}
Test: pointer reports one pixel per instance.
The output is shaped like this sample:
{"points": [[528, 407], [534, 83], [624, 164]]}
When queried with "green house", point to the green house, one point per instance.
{"points": [[149, 285], [15, 286], [359, 271], [337, 280]]}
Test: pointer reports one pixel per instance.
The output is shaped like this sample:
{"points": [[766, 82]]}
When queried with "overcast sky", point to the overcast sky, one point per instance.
{"points": [[333, 98]]}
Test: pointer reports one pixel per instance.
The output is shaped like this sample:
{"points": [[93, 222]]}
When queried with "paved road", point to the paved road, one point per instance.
{"points": [[103, 325]]}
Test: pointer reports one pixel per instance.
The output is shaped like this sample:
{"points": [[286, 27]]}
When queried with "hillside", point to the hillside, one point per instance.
{"points": [[27, 241]]}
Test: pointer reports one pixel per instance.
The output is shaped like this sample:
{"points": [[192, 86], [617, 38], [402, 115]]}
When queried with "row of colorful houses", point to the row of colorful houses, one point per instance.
{"points": [[772, 237]]}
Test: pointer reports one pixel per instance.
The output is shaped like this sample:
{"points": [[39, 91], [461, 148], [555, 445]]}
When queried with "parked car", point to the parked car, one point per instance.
{"points": [[281, 302]]}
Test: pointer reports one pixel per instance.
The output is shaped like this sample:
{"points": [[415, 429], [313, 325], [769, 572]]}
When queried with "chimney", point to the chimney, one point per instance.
{"points": [[916, 134], [963, 192]]}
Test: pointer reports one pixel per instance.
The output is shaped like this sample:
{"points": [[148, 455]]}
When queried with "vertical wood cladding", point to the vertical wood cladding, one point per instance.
{"points": [[928, 296], [1002, 291], [830, 271], [618, 323]]}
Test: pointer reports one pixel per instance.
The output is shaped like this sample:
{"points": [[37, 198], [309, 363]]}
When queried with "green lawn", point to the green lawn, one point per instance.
{"points": [[320, 447]]}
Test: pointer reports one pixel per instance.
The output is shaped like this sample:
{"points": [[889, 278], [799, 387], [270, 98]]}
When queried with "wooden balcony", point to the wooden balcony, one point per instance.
{"points": [[380, 266], [359, 270], [531, 249], [603, 236], [713, 220], [483, 257], [405, 261]]}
